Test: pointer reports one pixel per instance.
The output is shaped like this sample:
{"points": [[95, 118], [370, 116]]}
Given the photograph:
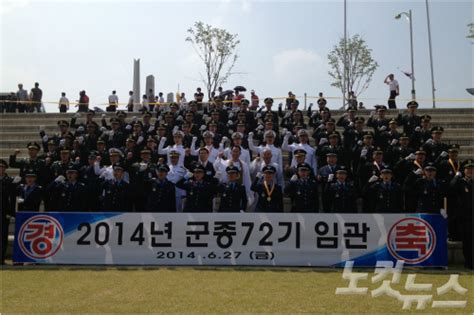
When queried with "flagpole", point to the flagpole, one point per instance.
{"points": [[345, 57], [431, 54]]}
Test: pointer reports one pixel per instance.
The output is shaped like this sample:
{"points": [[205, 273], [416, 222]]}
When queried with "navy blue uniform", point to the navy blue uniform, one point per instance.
{"points": [[199, 195], [303, 194], [342, 197], [266, 203], [233, 197], [116, 196], [160, 196]]}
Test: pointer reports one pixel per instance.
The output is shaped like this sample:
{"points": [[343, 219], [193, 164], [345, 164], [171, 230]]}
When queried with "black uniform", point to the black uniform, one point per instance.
{"points": [[160, 196], [233, 197], [199, 195], [7, 189], [31, 197], [66, 197], [429, 194], [303, 194], [116, 196], [384, 198], [37, 165], [463, 188], [342, 197], [266, 203]]}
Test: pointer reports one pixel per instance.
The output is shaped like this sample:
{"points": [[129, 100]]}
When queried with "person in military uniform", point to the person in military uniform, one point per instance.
{"points": [[342, 194], [160, 193], [115, 193], [383, 194], [434, 147], [363, 152], [421, 133], [30, 193], [199, 193], [33, 162], [60, 167], [410, 120], [233, 194], [429, 191], [379, 123], [91, 181], [175, 174], [270, 195], [462, 187], [370, 168], [447, 169], [398, 150], [68, 195], [303, 191], [7, 188], [139, 173]]}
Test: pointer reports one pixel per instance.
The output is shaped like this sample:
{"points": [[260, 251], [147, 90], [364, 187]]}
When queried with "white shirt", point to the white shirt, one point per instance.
{"points": [[168, 149], [277, 157], [107, 172], [64, 101], [310, 153], [244, 154], [113, 99], [393, 85], [257, 167]]}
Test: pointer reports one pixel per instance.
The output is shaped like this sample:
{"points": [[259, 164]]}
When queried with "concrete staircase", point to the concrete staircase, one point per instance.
{"points": [[16, 130]]}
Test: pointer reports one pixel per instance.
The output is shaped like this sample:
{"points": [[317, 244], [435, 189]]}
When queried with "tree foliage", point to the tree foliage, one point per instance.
{"points": [[217, 49], [471, 30], [360, 65]]}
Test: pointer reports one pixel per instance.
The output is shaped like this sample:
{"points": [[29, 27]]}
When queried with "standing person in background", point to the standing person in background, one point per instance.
{"points": [[254, 100], [22, 97], [130, 101], [151, 100], [36, 96], [198, 97], [63, 103], [394, 90], [182, 101], [83, 102], [113, 102]]}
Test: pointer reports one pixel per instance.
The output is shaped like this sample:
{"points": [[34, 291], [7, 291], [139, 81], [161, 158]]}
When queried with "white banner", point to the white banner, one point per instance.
{"points": [[273, 239]]}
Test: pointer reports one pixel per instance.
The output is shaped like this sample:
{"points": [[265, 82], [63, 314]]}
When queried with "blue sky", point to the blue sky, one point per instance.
{"points": [[73, 45]]}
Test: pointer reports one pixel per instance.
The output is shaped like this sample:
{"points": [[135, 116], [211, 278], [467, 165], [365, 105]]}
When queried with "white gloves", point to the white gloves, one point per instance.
{"points": [[260, 127], [294, 178], [16, 180], [288, 134], [351, 124], [152, 127], [251, 134], [459, 174], [188, 175], [60, 179], [444, 154], [80, 139], [259, 175], [429, 141], [359, 142], [444, 213], [134, 118], [383, 128], [203, 127], [175, 128], [45, 138], [394, 142], [418, 171], [179, 118], [142, 167], [140, 140], [62, 142], [230, 123], [411, 156], [194, 139], [231, 114], [373, 178], [363, 152], [80, 129], [224, 140], [330, 177], [321, 126], [323, 141], [418, 129]]}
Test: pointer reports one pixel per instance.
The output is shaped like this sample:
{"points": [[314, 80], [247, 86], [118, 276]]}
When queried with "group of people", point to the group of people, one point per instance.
{"points": [[228, 158]]}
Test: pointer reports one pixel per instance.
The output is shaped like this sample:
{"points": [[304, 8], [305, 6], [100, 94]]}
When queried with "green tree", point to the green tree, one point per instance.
{"points": [[360, 66], [471, 30], [217, 49]]}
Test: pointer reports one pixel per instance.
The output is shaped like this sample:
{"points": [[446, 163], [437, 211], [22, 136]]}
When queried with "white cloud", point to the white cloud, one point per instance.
{"points": [[7, 6]]}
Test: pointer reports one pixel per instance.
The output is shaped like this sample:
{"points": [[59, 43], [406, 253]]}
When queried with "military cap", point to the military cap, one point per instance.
{"points": [[199, 168], [232, 169], [145, 151], [412, 103], [121, 113], [118, 166], [174, 153], [72, 168], [269, 169], [393, 121], [299, 152], [151, 139], [237, 135], [404, 136], [378, 150], [420, 151], [33, 145], [430, 166], [333, 135], [302, 132], [114, 151], [63, 123], [163, 168], [359, 120], [386, 170], [426, 117], [130, 139], [368, 134], [244, 101], [303, 166], [268, 100], [468, 164], [454, 148], [208, 134], [90, 112], [178, 133], [30, 173], [146, 113], [437, 129]]}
